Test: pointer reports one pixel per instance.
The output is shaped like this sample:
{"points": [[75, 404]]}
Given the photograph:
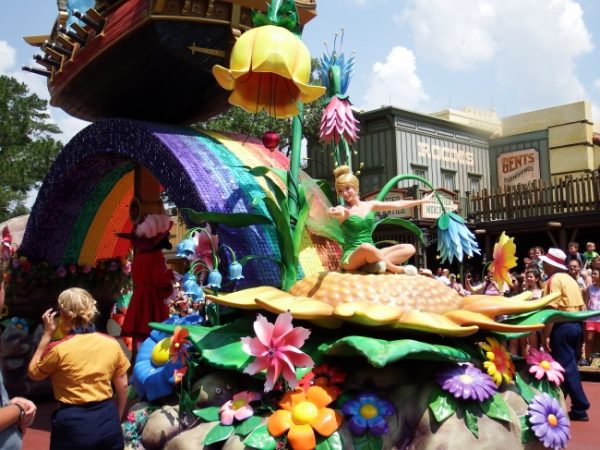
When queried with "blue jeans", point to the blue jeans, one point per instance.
{"points": [[93, 426], [565, 342]]}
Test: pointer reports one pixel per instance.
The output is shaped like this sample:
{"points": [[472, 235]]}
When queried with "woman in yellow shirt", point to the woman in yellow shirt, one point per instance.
{"points": [[85, 368]]}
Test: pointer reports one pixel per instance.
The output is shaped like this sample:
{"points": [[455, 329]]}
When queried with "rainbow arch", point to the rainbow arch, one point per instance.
{"points": [[85, 197]]}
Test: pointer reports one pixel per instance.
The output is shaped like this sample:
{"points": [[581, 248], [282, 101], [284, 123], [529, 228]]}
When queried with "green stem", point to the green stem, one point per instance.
{"points": [[347, 152], [294, 178], [394, 181]]}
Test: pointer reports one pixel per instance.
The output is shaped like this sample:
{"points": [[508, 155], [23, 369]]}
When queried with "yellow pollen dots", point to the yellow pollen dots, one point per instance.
{"points": [[238, 404], [552, 420], [368, 411], [304, 412], [545, 365]]}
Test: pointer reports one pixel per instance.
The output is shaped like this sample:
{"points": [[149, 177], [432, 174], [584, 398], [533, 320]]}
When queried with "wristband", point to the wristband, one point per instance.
{"points": [[21, 411]]}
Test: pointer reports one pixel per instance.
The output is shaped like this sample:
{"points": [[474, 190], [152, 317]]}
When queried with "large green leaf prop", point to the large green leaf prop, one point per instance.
{"points": [[549, 315], [235, 220], [380, 352]]}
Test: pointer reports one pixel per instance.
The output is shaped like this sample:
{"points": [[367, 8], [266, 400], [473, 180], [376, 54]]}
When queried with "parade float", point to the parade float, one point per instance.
{"points": [[282, 350]]}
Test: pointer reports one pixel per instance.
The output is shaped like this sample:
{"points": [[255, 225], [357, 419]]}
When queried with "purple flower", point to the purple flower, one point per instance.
{"points": [[114, 266], [61, 272], [548, 421], [87, 268], [367, 413], [467, 382]]}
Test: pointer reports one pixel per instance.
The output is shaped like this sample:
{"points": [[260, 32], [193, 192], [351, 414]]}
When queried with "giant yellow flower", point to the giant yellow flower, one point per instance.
{"points": [[504, 260], [269, 70]]}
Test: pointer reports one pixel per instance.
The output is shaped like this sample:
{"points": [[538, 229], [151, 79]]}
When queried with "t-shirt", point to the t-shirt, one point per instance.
{"points": [[570, 298], [10, 438], [588, 256], [82, 366], [593, 301]]}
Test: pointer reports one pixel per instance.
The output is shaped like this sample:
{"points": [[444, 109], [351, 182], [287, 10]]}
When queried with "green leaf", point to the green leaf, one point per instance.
{"points": [[333, 442], [524, 389], [367, 442], [496, 408], [380, 352], [208, 414], [218, 433], [443, 222], [219, 346], [261, 439], [263, 171], [548, 315], [527, 434], [247, 426], [470, 415], [409, 225], [441, 404], [394, 182], [235, 220]]}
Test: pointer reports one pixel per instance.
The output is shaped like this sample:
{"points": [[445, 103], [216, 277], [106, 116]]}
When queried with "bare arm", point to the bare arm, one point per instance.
{"points": [[120, 385], [9, 415], [49, 329], [399, 204]]}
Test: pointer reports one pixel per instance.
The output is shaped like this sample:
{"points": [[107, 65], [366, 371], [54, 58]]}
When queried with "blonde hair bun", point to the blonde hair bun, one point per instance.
{"points": [[341, 171], [78, 305], [344, 177]]}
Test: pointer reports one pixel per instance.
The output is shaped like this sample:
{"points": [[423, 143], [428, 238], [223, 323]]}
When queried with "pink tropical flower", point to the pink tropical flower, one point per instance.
{"points": [[276, 348], [127, 268], [73, 268], [178, 374], [61, 272], [238, 407], [87, 268], [543, 364], [338, 121]]}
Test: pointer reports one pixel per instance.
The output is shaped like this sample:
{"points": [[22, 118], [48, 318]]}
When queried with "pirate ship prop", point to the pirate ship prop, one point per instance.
{"points": [[144, 59]]}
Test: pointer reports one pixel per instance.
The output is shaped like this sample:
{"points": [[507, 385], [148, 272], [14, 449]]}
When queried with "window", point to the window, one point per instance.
{"points": [[474, 183], [449, 180], [420, 171]]}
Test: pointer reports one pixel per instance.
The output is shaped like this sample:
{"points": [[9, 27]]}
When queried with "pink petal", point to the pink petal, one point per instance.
{"points": [[253, 396], [290, 376], [227, 417], [254, 347], [258, 365], [295, 338], [270, 381], [299, 359], [243, 413], [264, 330], [283, 325]]}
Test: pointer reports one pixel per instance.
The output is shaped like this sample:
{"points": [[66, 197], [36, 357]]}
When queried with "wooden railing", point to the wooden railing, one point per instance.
{"points": [[566, 195]]}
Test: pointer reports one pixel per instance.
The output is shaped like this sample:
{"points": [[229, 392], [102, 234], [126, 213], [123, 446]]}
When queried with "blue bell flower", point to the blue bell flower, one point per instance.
{"points": [[234, 271], [186, 249], [191, 289], [454, 238], [214, 279]]}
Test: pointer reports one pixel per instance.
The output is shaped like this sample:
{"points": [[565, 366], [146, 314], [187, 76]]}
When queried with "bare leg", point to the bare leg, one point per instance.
{"points": [[364, 254], [396, 255], [589, 344]]}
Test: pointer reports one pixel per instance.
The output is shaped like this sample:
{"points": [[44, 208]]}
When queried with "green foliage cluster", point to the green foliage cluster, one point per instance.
{"points": [[27, 148]]}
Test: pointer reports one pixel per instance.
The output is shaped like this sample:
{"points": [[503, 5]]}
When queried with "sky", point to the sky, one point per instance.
{"points": [[421, 55]]}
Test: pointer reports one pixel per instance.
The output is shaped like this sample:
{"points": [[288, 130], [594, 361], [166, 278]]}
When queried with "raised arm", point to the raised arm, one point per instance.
{"points": [[399, 204]]}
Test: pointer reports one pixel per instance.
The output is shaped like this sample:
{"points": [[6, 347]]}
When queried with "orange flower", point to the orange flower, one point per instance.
{"points": [[499, 364], [504, 260], [303, 413]]}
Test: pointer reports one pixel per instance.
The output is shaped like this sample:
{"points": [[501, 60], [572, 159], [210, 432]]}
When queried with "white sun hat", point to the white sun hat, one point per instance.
{"points": [[555, 257]]}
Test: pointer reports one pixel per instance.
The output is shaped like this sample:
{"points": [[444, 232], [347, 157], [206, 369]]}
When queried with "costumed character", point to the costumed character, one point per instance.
{"points": [[152, 280], [356, 219]]}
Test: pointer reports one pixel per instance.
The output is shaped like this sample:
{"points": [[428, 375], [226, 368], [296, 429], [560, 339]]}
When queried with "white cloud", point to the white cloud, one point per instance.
{"points": [[69, 125], [531, 46], [7, 57], [395, 81], [455, 34]]}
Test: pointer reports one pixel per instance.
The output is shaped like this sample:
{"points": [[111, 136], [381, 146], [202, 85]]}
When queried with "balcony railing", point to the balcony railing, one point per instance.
{"points": [[568, 195]]}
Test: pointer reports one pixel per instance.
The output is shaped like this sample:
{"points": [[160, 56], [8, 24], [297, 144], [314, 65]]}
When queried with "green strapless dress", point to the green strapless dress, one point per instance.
{"points": [[356, 230]]}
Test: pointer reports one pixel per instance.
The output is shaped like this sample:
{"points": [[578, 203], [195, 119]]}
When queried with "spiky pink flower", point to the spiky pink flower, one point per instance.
{"points": [[276, 348], [338, 120]]}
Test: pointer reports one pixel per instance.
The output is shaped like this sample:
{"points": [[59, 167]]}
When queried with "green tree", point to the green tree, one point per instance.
{"points": [[27, 148]]}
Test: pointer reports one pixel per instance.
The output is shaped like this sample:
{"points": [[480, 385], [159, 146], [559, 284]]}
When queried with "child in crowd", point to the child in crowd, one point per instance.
{"points": [[573, 253], [589, 254], [592, 325]]}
